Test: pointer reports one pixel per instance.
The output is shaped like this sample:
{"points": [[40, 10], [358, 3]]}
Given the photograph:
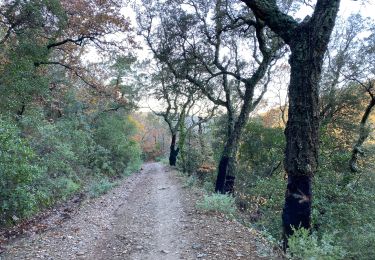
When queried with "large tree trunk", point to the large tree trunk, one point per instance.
{"points": [[227, 165], [308, 41], [173, 151], [226, 173], [302, 137], [301, 153]]}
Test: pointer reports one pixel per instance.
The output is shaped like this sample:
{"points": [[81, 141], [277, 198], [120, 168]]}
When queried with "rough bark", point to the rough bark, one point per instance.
{"points": [[308, 42], [173, 151], [220, 180], [226, 171]]}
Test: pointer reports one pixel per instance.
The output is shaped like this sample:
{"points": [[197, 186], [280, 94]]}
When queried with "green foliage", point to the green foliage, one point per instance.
{"points": [[55, 159], [190, 181], [113, 132], [192, 158], [63, 188], [262, 149], [343, 204], [208, 186], [263, 199], [346, 209], [303, 245], [56, 139], [217, 203], [99, 187], [100, 161], [64, 147], [260, 183], [18, 172], [135, 164]]}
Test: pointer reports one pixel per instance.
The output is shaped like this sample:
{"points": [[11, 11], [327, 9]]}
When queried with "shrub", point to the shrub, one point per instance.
{"points": [[132, 167], [18, 172], [190, 181], [302, 245], [217, 203], [64, 187], [208, 186], [100, 187], [114, 133]]}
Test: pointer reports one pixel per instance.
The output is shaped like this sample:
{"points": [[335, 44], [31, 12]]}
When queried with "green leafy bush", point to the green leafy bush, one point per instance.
{"points": [[114, 133], [343, 203], [303, 245], [190, 181], [18, 172], [208, 186], [64, 187], [99, 187], [260, 182], [217, 203]]}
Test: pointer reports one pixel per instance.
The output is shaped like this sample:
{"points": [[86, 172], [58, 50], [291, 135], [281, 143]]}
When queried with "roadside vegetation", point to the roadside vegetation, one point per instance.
{"points": [[262, 109]]}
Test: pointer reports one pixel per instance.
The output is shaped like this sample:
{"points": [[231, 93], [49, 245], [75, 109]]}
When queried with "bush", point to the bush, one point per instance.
{"points": [[18, 172], [302, 245], [260, 183], [217, 203], [190, 181], [100, 187], [133, 166], [114, 132], [208, 186], [63, 188]]}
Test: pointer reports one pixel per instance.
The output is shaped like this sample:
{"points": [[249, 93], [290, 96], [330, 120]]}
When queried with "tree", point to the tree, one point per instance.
{"points": [[364, 76], [308, 41], [347, 83], [179, 103], [34, 34], [203, 42]]}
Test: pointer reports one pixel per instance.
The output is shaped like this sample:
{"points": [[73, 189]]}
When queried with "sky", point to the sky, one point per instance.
{"points": [[365, 7]]}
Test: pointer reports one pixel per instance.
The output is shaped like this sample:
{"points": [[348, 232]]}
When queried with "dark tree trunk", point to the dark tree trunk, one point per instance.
{"points": [[173, 152], [301, 153], [227, 165], [308, 41], [308, 47], [226, 176], [22, 110], [222, 172]]}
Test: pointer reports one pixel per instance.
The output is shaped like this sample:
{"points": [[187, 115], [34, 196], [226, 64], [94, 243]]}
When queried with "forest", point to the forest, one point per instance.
{"points": [[269, 103]]}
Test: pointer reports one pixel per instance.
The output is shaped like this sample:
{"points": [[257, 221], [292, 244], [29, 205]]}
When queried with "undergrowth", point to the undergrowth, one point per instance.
{"points": [[219, 203]]}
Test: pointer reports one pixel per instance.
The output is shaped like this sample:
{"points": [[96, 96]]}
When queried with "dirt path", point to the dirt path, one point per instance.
{"points": [[148, 216], [149, 225]]}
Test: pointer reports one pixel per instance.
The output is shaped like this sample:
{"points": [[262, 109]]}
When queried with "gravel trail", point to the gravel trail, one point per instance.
{"points": [[149, 225], [149, 216]]}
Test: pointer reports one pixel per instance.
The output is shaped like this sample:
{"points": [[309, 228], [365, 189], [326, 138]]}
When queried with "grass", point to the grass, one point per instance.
{"points": [[218, 203]]}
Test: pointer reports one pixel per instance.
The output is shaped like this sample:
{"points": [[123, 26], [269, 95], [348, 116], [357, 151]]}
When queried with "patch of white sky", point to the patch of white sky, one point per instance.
{"points": [[277, 93]]}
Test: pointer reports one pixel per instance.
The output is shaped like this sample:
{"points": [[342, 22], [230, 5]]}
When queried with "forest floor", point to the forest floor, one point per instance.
{"points": [[149, 215]]}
